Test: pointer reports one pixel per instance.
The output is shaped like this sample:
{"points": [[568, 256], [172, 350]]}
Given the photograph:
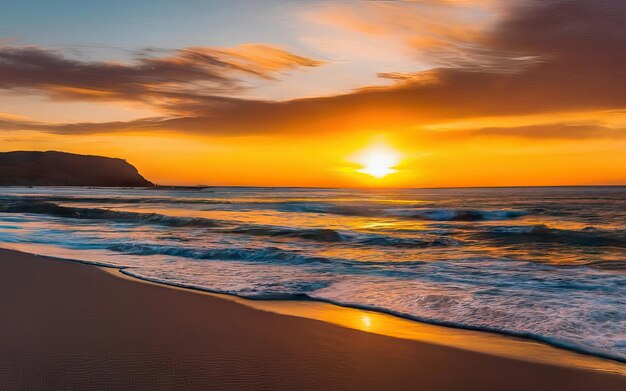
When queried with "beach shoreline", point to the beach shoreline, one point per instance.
{"points": [[383, 323], [72, 325]]}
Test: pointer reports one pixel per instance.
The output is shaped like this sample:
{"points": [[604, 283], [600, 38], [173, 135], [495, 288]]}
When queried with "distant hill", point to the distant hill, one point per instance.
{"points": [[52, 168]]}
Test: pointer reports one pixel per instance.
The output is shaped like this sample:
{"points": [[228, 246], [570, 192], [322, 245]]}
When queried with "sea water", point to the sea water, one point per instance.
{"points": [[545, 263]]}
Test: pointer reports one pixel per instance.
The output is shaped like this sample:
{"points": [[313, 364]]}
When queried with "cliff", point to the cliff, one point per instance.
{"points": [[52, 168]]}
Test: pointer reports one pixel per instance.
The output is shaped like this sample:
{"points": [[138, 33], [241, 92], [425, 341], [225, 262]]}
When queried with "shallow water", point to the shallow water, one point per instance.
{"points": [[548, 263]]}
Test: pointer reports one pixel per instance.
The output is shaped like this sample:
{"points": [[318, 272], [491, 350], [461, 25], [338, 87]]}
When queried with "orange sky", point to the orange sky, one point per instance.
{"points": [[468, 93]]}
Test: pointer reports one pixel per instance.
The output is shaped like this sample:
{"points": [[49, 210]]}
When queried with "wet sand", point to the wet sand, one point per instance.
{"points": [[65, 325]]}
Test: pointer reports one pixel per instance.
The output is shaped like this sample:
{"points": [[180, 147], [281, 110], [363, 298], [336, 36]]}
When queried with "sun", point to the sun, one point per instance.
{"points": [[378, 165], [377, 160]]}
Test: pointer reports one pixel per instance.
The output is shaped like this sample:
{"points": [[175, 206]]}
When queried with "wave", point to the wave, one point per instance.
{"points": [[432, 214], [393, 241], [315, 234], [270, 256], [457, 214], [589, 236], [608, 265], [335, 236], [341, 209], [117, 200], [267, 254], [51, 209]]}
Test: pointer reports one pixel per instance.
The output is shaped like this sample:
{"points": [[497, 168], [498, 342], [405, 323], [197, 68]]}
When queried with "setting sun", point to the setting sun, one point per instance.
{"points": [[377, 160]]}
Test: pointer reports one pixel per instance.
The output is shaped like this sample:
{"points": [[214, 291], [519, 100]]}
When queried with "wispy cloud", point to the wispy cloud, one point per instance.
{"points": [[151, 77], [551, 131]]}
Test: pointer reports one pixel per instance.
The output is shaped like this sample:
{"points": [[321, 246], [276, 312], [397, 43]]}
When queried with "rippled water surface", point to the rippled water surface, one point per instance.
{"points": [[548, 263]]}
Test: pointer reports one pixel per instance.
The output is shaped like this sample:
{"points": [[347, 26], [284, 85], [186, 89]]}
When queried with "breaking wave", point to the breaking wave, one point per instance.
{"points": [[588, 236], [119, 200], [457, 214], [335, 236], [314, 234], [51, 209]]}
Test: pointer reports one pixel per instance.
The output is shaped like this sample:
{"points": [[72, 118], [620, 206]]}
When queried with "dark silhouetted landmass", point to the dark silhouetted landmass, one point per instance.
{"points": [[52, 168]]}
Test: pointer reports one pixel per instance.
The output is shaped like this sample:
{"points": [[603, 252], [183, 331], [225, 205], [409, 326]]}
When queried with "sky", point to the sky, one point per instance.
{"points": [[430, 93]]}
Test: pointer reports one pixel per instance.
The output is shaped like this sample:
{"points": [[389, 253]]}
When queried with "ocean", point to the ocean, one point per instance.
{"points": [[544, 263]]}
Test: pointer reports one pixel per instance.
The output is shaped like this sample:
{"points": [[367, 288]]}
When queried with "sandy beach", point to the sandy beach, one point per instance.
{"points": [[73, 326]]}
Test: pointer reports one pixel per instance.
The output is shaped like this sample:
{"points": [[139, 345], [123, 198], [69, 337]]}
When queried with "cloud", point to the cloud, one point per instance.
{"points": [[440, 33], [541, 57], [553, 131], [195, 71]]}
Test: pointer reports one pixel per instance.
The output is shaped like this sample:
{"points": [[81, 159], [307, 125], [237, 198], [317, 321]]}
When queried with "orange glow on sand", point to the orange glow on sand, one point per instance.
{"points": [[477, 341]]}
